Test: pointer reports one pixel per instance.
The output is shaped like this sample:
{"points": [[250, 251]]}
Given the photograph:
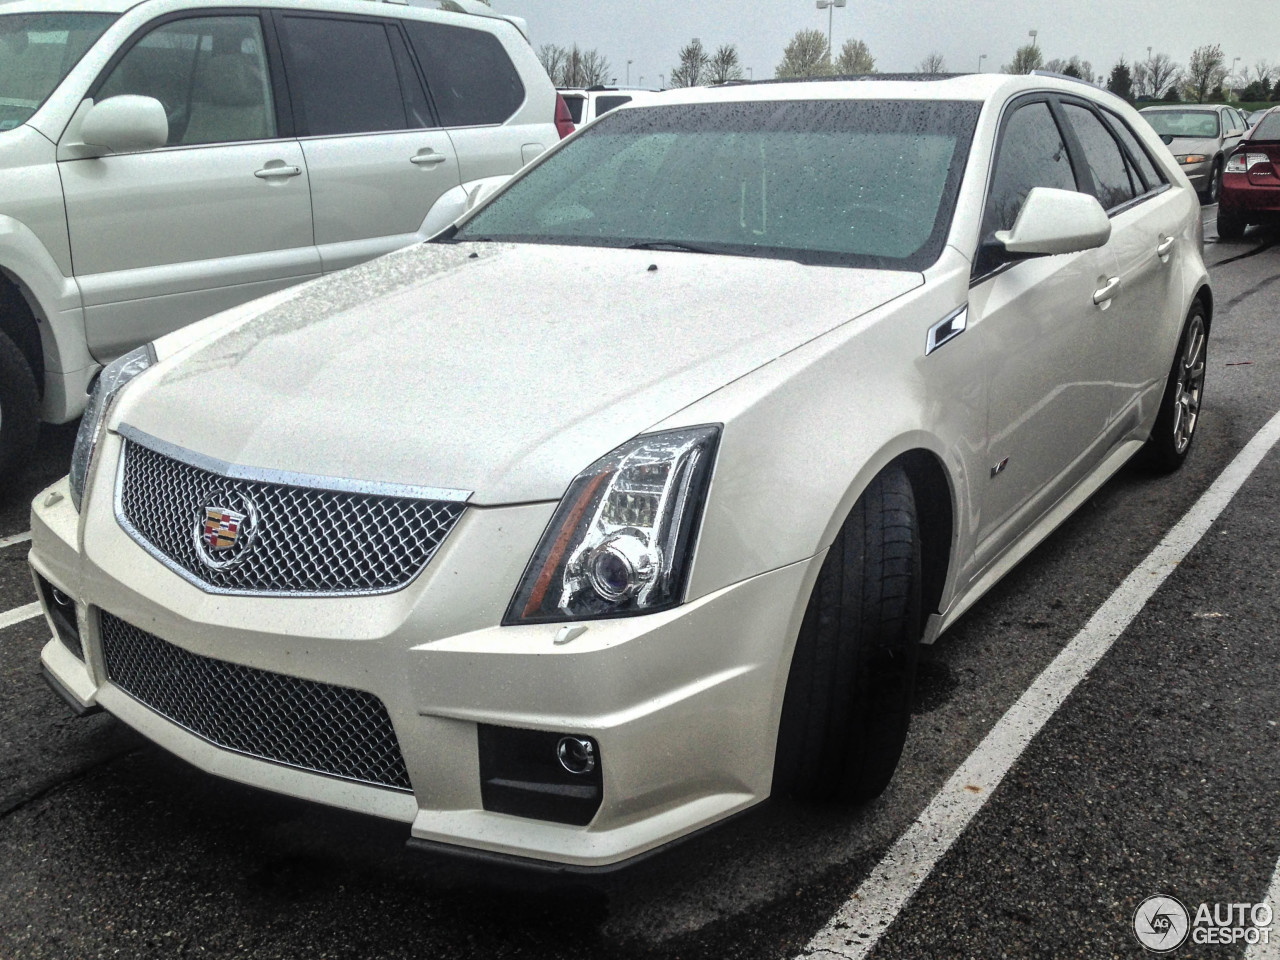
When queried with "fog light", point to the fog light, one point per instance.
{"points": [[577, 755]]}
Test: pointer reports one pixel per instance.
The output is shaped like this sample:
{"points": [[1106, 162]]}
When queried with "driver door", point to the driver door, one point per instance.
{"points": [[218, 216]]}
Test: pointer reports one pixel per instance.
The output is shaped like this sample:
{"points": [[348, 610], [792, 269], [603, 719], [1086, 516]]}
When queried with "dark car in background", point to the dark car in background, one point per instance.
{"points": [[1251, 181]]}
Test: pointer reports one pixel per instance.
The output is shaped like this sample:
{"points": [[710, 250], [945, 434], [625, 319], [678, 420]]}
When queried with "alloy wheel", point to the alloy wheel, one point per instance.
{"points": [[1190, 386]]}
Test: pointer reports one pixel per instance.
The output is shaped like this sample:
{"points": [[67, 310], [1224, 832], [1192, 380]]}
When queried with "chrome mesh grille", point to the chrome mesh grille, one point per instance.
{"points": [[308, 541], [300, 723]]}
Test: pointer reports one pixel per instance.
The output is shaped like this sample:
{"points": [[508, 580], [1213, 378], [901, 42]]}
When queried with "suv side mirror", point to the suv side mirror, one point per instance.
{"points": [[1052, 222], [125, 124]]}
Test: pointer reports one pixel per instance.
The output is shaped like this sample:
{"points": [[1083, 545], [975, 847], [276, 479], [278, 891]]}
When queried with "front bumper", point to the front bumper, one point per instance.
{"points": [[683, 704]]}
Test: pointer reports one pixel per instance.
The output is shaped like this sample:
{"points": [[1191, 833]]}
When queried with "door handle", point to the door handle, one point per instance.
{"points": [[427, 159], [1106, 293], [277, 169], [1164, 246]]}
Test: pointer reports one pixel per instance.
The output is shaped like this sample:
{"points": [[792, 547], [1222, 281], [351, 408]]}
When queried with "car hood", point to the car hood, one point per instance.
{"points": [[500, 370]]}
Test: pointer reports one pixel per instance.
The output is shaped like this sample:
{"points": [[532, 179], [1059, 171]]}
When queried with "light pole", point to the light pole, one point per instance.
{"points": [[629, 62], [640, 82], [662, 80], [1234, 81], [981, 57], [1033, 34], [830, 7], [751, 74]]}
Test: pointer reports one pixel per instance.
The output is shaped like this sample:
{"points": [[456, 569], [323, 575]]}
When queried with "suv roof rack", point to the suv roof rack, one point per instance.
{"points": [[899, 77], [473, 7]]}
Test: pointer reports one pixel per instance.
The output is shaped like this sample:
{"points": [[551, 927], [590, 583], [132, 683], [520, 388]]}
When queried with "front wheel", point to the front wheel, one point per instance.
{"points": [[848, 698], [1183, 393], [1213, 189], [19, 412]]}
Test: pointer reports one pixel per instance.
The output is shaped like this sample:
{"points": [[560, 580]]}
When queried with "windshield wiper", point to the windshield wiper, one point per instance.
{"points": [[668, 245]]}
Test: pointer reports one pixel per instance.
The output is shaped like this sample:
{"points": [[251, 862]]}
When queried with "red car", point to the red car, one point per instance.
{"points": [[1251, 180]]}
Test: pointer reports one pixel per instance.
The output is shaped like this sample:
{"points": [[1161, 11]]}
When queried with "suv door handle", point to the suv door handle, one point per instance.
{"points": [[277, 168], [1164, 246], [427, 158], [1105, 294]]}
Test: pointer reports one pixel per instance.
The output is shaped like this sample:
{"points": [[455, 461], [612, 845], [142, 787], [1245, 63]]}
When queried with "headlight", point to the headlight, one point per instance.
{"points": [[619, 542], [110, 381]]}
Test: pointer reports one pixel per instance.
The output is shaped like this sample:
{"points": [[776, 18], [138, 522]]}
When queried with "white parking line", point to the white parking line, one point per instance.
{"points": [[1270, 950], [14, 540], [29, 612], [863, 920]]}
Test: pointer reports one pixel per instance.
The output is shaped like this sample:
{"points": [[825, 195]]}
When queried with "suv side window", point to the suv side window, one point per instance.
{"points": [[1031, 154], [472, 80], [1111, 184], [343, 77], [211, 75]]}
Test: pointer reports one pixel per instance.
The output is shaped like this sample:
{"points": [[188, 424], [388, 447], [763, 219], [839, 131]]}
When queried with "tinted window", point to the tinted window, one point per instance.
{"points": [[575, 105], [36, 51], [470, 76], [1102, 154], [605, 104], [343, 76], [1032, 154], [1138, 152], [1268, 127], [211, 75], [415, 97], [862, 183]]}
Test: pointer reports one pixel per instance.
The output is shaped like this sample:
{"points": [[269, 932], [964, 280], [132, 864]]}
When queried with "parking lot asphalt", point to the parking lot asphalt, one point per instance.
{"points": [[1159, 774]]}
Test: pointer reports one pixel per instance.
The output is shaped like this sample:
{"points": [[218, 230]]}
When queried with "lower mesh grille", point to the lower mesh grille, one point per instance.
{"points": [[300, 723]]}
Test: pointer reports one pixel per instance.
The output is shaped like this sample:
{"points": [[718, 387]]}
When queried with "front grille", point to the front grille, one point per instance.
{"points": [[304, 541], [300, 723]]}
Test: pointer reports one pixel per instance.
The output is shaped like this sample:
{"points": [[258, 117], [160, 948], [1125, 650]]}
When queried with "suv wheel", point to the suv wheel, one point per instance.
{"points": [[848, 697], [19, 411]]}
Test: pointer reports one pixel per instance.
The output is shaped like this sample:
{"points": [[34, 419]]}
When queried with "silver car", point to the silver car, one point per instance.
{"points": [[1200, 137]]}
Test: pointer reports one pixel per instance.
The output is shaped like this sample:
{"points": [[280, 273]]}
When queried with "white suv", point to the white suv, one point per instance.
{"points": [[163, 160]]}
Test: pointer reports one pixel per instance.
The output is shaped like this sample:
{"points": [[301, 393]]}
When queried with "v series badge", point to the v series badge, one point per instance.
{"points": [[999, 467]]}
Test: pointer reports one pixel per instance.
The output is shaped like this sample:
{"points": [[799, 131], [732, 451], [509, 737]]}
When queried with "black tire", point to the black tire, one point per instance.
{"points": [[1179, 415], [1213, 190], [848, 698], [1230, 225], [19, 413]]}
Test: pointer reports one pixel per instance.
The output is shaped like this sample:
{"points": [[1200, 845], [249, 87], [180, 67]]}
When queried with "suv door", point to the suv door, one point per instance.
{"points": [[378, 160], [1146, 226], [1045, 338], [220, 215]]}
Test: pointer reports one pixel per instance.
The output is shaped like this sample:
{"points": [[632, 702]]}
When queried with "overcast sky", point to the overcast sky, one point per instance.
{"points": [[901, 32]]}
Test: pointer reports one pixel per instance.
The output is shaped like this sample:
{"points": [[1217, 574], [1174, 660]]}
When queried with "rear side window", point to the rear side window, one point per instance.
{"points": [[575, 105], [1140, 156], [472, 80], [343, 76], [1268, 127], [1032, 154], [605, 104], [1111, 181]]}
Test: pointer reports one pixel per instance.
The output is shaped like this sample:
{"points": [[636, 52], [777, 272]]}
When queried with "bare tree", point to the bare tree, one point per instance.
{"points": [[553, 56], [1205, 70], [1156, 75], [725, 65], [1075, 67], [1025, 59], [694, 66], [855, 58], [594, 68], [806, 55], [933, 63], [573, 66]]}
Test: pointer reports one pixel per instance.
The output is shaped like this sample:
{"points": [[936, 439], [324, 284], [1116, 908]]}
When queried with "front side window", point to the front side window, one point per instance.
{"points": [[37, 50], [209, 73], [1199, 124], [1111, 181], [858, 183], [342, 74], [472, 80], [1031, 154]]}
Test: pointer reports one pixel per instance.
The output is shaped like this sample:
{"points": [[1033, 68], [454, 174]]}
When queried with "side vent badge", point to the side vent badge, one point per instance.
{"points": [[947, 329]]}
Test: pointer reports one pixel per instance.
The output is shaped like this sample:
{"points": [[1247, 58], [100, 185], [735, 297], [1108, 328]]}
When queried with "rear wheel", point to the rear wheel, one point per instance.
{"points": [[1230, 225], [848, 699], [1180, 409], [19, 412]]}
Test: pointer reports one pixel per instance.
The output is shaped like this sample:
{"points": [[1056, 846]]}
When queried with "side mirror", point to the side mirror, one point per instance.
{"points": [[1055, 221], [125, 124]]}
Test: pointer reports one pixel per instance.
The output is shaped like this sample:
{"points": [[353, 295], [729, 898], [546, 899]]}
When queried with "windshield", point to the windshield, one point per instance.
{"points": [[36, 51], [1184, 123], [854, 182]]}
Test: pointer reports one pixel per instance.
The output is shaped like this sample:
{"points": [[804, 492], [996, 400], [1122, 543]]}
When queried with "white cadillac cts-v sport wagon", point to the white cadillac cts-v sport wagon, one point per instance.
{"points": [[626, 502]]}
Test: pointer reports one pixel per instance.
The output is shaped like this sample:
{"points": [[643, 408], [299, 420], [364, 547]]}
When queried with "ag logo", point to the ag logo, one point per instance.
{"points": [[226, 526], [1161, 923]]}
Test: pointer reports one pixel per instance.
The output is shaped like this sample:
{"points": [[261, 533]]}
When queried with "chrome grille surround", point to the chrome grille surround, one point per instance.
{"points": [[317, 536], [318, 727]]}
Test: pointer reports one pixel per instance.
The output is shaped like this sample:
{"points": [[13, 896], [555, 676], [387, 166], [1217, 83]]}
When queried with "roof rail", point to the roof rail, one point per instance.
{"points": [[473, 7], [1061, 76]]}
